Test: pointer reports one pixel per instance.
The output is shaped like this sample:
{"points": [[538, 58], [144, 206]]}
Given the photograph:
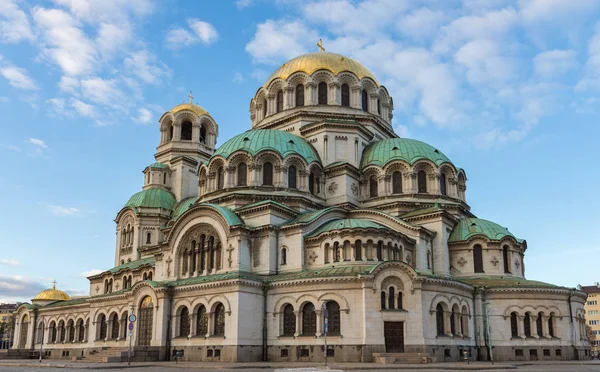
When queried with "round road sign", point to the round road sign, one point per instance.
{"points": [[132, 318], [131, 326]]}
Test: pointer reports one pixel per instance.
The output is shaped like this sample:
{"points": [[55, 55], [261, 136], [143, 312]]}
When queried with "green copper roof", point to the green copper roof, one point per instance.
{"points": [[231, 218], [182, 206], [348, 223], [158, 165], [72, 302], [133, 265], [309, 216], [505, 281], [257, 140], [469, 227], [349, 270], [409, 150], [418, 212], [265, 202], [152, 198]]}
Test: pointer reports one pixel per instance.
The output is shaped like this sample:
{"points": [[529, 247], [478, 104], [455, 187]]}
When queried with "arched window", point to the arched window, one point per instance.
{"points": [[309, 320], [397, 182], [202, 134], [365, 100], [373, 186], [443, 190], [422, 182], [164, 178], [40, 331], [538, 323], [400, 300], [345, 95], [322, 93], [171, 132], [333, 318], [148, 238], [429, 259], [201, 321], [81, 330], [380, 250], [551, 325], [283, 256], [383, 302], [478, 259], [439, 320], [391, 298], [358, 250], [514, 328], [52, 330], [61, 330], [311, 183], [527, 325], [292, 173], [336, 252], [279, 101], [268, 174], [220, 178], [289, 320], [264, 108], [220, 320], [150, 275], [378, 107], [299, 95], [505, 258], [114, 326], [103, 327], [184, 322], [241, 174], [186, 131], [452, 322]]}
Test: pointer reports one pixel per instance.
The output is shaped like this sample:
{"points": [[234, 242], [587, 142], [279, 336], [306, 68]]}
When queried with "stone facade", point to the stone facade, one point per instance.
{"points": [[320, 216]]}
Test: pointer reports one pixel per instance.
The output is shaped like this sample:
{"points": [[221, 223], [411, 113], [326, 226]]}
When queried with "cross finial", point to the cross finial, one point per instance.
{"points": [[320, 45], [54, 284], [191, 97]]}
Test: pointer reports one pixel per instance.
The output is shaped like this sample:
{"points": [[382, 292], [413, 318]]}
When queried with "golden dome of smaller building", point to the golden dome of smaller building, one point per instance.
{"points": [[312, 62], [191, 106], [51, 294]]}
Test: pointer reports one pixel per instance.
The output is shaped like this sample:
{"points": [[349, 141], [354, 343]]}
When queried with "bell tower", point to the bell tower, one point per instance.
{"points": [[188, 136]]}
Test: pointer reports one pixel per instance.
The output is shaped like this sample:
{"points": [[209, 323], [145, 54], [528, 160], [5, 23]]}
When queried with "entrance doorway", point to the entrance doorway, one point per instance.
{"points": [[146, 315], [394, 337]]}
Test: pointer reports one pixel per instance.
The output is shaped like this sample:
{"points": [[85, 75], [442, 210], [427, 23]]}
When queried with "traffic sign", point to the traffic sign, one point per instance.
{"points": [[130, 334], [132, 318], [131, 326]]}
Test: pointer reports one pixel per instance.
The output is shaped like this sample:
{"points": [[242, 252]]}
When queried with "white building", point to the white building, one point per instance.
{"points": [[231, 252]]}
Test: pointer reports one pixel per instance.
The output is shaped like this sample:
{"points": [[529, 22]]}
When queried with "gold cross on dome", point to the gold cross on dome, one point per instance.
{"points": [[54, 284], [191, 97], [320, 45]]}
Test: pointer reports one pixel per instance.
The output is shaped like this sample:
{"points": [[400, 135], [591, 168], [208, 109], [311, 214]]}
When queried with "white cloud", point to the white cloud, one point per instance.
{"points": [[18, 78], [591, 77], [275, 41], [145, 116], [16, 287], [486, 63], [14, 24], [104, 91], [85, 274], [83, 109], [554, 63], [5, 261], [238, 77], [243, 3], [37, 142], [201, 31], [422, 23], [144, 65], [63, 211]]}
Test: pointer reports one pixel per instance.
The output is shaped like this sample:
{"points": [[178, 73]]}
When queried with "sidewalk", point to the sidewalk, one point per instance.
{"points": [[454, 366]]}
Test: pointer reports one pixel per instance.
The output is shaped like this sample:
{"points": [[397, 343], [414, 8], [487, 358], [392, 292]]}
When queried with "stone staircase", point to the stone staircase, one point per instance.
{"points": [[105, 355], [402, 358]]}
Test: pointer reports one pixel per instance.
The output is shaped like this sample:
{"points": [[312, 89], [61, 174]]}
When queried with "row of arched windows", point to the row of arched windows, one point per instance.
{"points": [[201, 255], [72, 332], [527, 325], [322, 98], [308, 320], [127, 236], [358, 251], [112, 328], [147, 276], [397, 186], [391, 301], [127, 281], [201, 319], [450, 323], [187, 129], [478, 259]]}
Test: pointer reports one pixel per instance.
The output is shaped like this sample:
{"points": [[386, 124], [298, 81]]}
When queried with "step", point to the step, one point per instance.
{"points": [[401, 358]]}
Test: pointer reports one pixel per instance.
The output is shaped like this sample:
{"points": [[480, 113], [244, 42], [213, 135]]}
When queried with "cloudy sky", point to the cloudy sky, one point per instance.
{"points": [[507, 89]]}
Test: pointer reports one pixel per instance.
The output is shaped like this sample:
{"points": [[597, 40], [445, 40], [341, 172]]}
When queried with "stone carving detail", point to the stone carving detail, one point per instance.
{"points": [[313, 256], [517, 263], [97, 288], [229, 252], [461, 261], [494, 261], [332, 188], [354, 189], [168, 261]]}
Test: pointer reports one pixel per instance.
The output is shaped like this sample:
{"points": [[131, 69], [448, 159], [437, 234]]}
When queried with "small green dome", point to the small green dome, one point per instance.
{"points": [[152, 198], [409, 150], [469, 227], [257, 140], [348, 223]]}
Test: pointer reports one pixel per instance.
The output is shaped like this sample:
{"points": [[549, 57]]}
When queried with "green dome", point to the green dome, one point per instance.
{"points": [[152, 198], [409, 150], [348, 223], [257, 140], [469, 227]]}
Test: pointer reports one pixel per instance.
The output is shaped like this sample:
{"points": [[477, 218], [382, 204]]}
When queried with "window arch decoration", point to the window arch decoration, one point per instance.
{"points": [[279, 101], [364, 100], [219, 320], [322, 94], [345, 91], [478, 258], [309, 319], [299, 96], [184, 322], [201, 320], [289, 320], [208, 240]]}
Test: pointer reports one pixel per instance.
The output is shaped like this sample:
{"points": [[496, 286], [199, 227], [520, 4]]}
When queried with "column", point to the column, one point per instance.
{"points": [[227, 172], [198, 253], [433, 186], [353, 253], [297, 314], [334, 95], [355, 99], [534, 327], [195, 131], [288, 98], [545, 330], [447, 329], [176, 132], [310, 98], [373, 103], [319, 323], [211, 324], [521, 326], [363, 248], [190, 269], [457, 321], [411, 183], [381, 189], [271, 104]]}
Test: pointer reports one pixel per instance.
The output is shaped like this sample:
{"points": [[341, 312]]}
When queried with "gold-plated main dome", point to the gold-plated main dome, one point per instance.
{"points": [[51, 294], [189, 106], [312, 62]]}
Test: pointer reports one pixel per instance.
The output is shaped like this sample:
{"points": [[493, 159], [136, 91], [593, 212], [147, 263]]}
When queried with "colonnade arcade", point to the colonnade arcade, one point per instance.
{"points": [[532, 323], [186, 126], [113, 327], [202, 321], [59, 331], [365, 249], [200, 252], [451, 318]]}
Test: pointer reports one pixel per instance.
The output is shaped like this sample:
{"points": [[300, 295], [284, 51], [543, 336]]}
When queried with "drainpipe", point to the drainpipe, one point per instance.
{"points": [[277, 252], [169, 309], [265, 357]]}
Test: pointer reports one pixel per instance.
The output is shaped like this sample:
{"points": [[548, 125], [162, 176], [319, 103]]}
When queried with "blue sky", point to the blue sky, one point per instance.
{"points": [[507, 89]]}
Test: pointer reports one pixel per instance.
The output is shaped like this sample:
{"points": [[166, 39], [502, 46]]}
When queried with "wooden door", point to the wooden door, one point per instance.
{"points": [[145, 321], [394, 337]]}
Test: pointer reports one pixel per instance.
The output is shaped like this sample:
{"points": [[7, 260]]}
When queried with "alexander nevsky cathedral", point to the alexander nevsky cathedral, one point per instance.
{"points": [[319, 221]]}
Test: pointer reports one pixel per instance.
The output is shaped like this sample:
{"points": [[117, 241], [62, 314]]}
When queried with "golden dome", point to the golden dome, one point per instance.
{"points": [[312, 62], [51, 294], [189, 106]]}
